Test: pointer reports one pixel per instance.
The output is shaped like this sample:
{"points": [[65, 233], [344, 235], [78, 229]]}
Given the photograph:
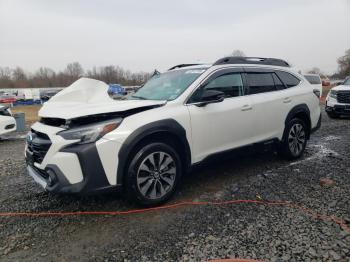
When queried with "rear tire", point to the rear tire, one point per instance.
{"points": [[294, 139], [153, 174]]}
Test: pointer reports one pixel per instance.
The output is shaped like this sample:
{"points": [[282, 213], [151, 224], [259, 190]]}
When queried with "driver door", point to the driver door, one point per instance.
{"points": [[224, 125]]}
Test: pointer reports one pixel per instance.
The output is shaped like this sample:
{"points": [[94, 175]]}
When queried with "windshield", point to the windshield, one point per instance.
{"points": [[347, 81], [314, 80], [169, 85]]}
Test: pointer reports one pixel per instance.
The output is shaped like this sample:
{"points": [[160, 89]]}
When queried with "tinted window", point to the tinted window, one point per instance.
{"points": [[288, 79], [230, 84], [278, 83], [260, 83], [314, 80]]}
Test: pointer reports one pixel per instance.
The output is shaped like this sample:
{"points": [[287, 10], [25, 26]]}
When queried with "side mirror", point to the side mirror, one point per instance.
{"points": [[211, 96]]}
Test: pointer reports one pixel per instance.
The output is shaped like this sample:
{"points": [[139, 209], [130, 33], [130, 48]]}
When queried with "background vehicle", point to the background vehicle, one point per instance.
{"points": [[25, 94], [325, 80], [87, 142], [45, 95], [338, 100], [7, 99], [116, 91], [7, 122], [315, 80]]}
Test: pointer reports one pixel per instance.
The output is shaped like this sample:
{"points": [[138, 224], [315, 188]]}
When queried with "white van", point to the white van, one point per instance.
{"points": [[25, 94]]}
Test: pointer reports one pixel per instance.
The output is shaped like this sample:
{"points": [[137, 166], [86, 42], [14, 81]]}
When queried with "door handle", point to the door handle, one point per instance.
{"points": [[287, 100], [246, 107]]}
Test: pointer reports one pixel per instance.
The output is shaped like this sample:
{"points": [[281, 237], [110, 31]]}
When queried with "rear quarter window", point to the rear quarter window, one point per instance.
{"points": [[288, 79]]}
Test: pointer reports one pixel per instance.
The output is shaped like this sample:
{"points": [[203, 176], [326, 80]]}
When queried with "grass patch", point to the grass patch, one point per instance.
{"points": [[30, 111]]}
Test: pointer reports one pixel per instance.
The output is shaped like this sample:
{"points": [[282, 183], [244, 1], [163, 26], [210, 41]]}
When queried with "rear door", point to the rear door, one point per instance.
{"points": [[270, 102], [225, 125]]}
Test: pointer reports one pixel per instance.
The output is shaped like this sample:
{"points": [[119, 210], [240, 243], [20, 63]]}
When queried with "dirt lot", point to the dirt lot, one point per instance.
{"points": [[192, 233], [31, 112]]}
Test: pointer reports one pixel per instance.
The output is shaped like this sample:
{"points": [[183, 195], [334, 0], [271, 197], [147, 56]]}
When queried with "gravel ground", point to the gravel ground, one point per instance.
{"points": [[193, 233]]}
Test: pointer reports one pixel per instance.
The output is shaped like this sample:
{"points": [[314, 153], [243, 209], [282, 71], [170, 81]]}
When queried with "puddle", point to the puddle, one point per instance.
{"points": [[331, 138], [319, 151]]}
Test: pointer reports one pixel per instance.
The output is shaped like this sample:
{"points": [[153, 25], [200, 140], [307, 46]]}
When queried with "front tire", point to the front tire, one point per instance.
{"points": [[294, 139], [153, 174]]}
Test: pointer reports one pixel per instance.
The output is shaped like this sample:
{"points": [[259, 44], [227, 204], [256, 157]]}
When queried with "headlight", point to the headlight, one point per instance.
{"points": [[333, 94], [90, 133]]}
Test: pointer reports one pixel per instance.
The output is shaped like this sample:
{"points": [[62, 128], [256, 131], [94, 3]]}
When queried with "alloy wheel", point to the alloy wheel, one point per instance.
{"points": [[296, 139], [156, 175]]}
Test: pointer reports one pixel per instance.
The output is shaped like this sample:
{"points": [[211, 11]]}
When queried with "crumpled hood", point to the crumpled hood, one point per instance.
{"points": [[341, 88], [88, 97]]}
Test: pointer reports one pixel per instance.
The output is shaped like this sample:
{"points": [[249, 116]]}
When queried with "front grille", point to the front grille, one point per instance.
{"points": [[343, 97], [38, 145]]}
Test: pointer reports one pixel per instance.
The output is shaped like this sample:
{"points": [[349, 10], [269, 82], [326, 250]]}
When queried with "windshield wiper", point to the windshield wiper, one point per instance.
{"points": [[140, 97]]}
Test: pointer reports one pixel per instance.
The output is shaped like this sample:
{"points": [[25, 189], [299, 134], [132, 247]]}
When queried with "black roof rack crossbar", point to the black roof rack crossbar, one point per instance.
{"points": [[182, 65], [252, 60]]}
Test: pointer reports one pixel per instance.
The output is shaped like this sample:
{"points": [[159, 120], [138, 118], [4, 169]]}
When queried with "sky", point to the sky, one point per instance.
{"points": [[143, 35]]}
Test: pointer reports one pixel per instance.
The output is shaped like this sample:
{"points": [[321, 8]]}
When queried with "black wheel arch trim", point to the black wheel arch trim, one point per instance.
{"points": [[94, 176], [167, 126], [301, 108]]}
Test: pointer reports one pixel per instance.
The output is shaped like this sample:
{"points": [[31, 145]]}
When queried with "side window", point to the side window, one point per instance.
{"points": [[278, 84], [260, 83], [230, 84], [288, 79]]}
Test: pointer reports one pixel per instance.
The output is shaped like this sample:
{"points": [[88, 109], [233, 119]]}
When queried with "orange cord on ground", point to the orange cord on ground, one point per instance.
{"points": [[305, 210], [235, 260]]}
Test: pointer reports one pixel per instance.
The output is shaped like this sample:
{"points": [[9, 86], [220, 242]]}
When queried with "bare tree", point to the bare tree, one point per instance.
{"points": [[238, 52], [344, 64], [46, 77], [74, 71], [5, 77], [19, 77]]}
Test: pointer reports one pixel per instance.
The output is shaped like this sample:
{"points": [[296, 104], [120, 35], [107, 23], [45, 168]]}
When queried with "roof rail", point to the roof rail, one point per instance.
{"points": [[182, 65], [251, 60]]}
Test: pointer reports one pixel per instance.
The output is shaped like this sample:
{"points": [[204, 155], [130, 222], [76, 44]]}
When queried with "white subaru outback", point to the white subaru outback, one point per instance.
{"points": [[338, 100], [87, 142]]}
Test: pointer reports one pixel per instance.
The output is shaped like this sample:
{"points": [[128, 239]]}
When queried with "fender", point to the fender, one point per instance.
{"points": [[166, 125], [301, 108]]}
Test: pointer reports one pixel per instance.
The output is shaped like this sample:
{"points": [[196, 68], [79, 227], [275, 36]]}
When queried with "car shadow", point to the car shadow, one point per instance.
{"points": [[205, 179]]}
